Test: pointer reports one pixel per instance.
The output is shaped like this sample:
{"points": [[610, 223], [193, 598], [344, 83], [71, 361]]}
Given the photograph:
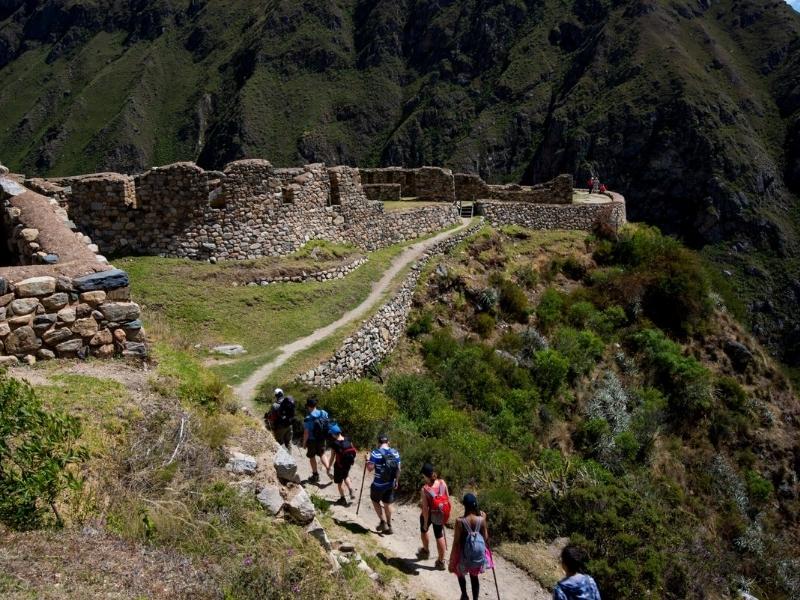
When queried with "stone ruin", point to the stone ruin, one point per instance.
{"points": [[59, 297]]}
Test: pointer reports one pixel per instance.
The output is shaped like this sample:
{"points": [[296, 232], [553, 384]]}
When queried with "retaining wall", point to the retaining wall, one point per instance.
{"points": [[555, 216], [379, 335], [423, 183]]}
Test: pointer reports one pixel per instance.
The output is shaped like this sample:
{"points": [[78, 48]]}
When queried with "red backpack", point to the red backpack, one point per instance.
{"points": [[439, 504]]}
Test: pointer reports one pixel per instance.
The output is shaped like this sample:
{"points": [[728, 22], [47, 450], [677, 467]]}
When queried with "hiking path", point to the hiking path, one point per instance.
{"points": [[246, 391], [400, 548]]}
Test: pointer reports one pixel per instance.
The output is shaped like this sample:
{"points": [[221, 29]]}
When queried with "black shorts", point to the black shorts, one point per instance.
{"points": [[340, 473], [315, 448], [377, 495], [438, 530]]}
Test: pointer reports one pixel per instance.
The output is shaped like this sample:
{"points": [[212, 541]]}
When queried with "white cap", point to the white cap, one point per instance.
{"points": [[278, 392]]}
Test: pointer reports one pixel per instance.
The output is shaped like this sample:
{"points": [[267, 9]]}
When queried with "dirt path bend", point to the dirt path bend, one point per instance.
{"points": [[246, 390], [401, 547]]}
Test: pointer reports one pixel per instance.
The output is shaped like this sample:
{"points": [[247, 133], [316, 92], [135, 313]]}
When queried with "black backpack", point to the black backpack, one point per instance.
{"points": [[286, 412], [390, 466], [347, 453], [320, 427]]}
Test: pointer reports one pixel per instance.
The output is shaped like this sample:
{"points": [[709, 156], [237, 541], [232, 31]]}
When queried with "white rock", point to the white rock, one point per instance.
{"points": [[242, 463]]}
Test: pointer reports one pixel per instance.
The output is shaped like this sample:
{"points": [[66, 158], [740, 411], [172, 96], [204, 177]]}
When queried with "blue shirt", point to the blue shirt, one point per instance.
{"points": [[377, 458], [308, 422], [577, 587]]}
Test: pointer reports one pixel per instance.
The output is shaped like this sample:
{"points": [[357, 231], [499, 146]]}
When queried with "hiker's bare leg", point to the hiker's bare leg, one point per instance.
{"points": [[387, 508], [441, 546], [341, 489], [313, 461], [378, 510], [425, 539]]}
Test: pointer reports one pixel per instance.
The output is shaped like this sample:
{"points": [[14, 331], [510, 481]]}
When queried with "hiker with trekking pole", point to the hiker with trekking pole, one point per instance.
{"points": [[470, 554], [434, 512]]}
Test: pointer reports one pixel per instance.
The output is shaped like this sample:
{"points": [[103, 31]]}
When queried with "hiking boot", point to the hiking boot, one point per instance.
{"points": [[439, 565], [381, 527], [314, 478], [352, 495], [388, 530], [423, 554]]}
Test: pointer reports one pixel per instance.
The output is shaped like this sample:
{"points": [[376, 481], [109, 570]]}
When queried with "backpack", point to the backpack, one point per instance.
{"points": [[390, 467], [321, 425], [439, 505], [473, 554], [346, 456], [286, 412]]}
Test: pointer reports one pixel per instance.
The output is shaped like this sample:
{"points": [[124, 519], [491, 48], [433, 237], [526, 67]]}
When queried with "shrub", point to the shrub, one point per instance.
{"points": [[420, 325], [582, 349], [416, 395], [514, 302], [526, 276], [469, 376], [759, 489], [510, 516], [487, 299], [573, 268], [483, 324], [549, 371], [580, 313], [608, 322], [532, 342], [38, 449], [732, 394], [550, 309], [361, 408]]}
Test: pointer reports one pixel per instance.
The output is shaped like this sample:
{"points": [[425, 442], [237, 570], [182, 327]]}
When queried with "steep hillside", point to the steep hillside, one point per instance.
{"points": [[691, 109]]}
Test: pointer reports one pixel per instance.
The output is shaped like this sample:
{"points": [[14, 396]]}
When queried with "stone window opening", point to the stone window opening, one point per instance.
{"points": [[335, 198], [287, 195]]}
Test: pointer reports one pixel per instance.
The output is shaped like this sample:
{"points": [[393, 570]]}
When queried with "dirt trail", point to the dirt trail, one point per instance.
{"points": [[246, 390], [423, 579]]}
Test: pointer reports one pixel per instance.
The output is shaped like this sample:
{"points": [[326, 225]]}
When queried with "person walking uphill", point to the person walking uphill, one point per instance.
{"points": [[281, 417], [385, 462], [434, 511], [315, 435], [343, 456], [470, 554], [575, 586]]}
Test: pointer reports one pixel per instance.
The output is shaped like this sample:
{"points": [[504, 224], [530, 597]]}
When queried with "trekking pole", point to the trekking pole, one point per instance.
{"points": [[361, 493], [494, 572]]}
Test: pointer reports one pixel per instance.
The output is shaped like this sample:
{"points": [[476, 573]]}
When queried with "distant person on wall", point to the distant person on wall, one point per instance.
{"points": [[470, 554], [280, 418], [384, 461], [575, 586], [315, 434], [343, 455], [435, 512]]}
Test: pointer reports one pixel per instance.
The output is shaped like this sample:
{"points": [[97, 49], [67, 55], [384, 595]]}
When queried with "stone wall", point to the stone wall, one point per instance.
{"points": [[379, 335], [554, 216], [556, 191], [325, 275], [423, 183], [248, 211], [383, 192]]}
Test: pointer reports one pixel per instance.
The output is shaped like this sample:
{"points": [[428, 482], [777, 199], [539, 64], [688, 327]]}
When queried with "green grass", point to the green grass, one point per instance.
{"points": [[401, 205]]}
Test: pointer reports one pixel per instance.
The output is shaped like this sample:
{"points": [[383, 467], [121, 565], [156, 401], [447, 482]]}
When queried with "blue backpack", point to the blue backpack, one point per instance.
{"points": [[473, 554]]}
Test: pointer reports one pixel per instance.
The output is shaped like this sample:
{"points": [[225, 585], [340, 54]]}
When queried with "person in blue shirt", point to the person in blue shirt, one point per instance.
{"points": [[315, 433], [576, 585], [384, 461]]}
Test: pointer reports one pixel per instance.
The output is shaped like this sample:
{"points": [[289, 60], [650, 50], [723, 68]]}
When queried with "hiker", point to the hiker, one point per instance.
{"points": [[470, 554], [280, 418], [315, 435], [435, 511], [343, 455], [575, 586], [385, 462]]}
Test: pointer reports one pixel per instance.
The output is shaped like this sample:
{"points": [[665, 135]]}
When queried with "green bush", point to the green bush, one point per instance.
{"points": [[608, 322], [361, 408], [483, 324], [514, 302], [580, 313], [582, 349], [510, 517], [549, 372], [469, 376], [526, 276], [573, 268], [416, 395], [732, 394], [38, 450], [758, 489], [550, 309], [420, 325]]}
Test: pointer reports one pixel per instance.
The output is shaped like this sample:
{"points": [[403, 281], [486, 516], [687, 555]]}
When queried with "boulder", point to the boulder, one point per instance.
{"points": [[317, 531], [36, 286], [300, 509], [95, 298], [105, 280], [22, 341], [69, 347], [29, 234], [120, 311], [55, 302], [24, 306], [272, 501], [85, 327], [285, 466], [229, 350], [739, 354], [8, 361], [67, 315], [242, 463], [83, 310], [56, 336]]}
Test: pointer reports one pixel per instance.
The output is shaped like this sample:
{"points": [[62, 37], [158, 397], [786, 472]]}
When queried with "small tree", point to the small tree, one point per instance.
{"points": [[37, 448]]}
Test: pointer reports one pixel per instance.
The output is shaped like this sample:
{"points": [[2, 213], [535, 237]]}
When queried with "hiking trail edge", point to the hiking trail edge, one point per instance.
{"points": [[246, 390]]}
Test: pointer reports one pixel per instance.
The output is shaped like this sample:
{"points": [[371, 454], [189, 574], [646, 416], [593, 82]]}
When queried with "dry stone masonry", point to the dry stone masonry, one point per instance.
{"points": [[379, 335], [326, 275]]}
